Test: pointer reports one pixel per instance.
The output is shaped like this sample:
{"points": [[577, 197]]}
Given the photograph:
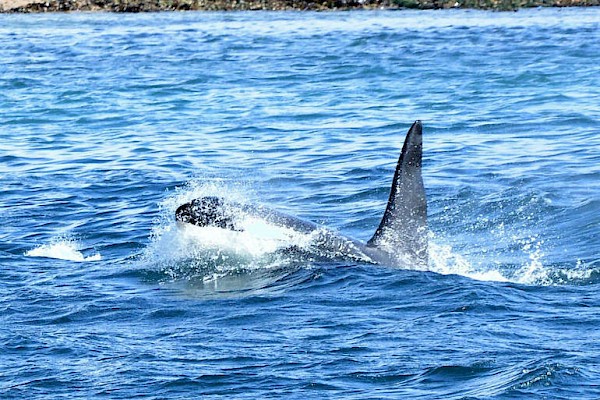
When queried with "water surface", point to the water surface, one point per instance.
{"points": [[108, 122]]}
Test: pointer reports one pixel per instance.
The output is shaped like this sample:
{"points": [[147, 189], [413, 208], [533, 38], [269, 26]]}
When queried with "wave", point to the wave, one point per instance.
{"points": [[487, 379]]}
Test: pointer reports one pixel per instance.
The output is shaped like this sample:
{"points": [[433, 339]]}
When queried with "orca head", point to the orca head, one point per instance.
{"points": [[206, 211]]}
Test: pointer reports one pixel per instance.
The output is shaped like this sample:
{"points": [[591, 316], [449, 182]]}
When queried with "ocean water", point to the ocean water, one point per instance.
{"points": [[109, 122]]}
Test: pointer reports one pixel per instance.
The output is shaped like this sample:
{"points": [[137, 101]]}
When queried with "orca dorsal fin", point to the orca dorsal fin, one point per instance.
{"points": [[402, 232]]}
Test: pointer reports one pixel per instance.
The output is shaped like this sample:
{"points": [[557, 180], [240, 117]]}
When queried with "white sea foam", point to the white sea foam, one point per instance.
{"points": [[257, 239], [62, 249], [444, 261], [183, 249], [533, 271]]}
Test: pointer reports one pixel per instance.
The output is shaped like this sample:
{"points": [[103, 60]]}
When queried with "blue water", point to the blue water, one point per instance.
{"points": [[109, 122]]}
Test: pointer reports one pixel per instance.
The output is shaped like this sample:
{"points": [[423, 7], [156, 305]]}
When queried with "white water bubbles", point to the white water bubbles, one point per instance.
{"points": [[185, 251], [63, 248], [532, 269]]}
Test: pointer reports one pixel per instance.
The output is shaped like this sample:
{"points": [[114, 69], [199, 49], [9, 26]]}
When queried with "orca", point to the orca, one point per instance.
{"points": [[400, 240]]}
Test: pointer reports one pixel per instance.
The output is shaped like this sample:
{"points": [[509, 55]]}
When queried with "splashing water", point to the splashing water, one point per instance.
{"points": [[188, 251], [534, 270], [62, 249]]}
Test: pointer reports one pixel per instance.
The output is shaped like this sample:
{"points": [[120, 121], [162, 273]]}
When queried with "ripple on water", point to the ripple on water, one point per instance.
{"points": [[111, 121]]}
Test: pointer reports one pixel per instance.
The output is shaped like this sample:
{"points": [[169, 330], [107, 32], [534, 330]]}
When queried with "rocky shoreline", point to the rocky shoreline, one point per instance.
{"points": [[32, 6]]}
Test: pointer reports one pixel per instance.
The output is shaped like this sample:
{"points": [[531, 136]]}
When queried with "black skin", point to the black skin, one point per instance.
{"points": [[205, 211]]}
